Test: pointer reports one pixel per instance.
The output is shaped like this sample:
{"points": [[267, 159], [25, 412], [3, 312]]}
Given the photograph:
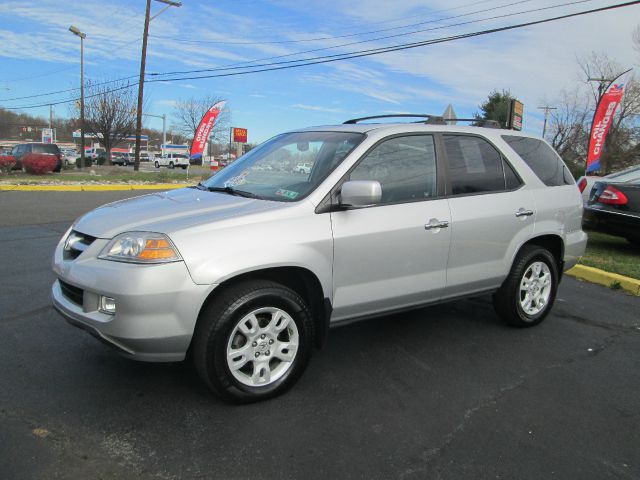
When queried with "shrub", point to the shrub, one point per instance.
{"points": [[39, 164], [7, 162]]}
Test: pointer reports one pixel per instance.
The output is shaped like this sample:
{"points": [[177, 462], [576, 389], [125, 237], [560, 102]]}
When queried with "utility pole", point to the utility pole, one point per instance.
{"points": [[546, 109], [143, 59], [82, 36]]}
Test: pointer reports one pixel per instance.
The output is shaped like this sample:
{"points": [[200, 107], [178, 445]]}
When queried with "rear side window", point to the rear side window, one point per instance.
{"points": [[45, 148], [474, 165], [542, 159]]}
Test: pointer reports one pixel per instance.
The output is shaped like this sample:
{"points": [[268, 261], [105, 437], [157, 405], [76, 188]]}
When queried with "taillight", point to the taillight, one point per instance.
{"points": [[612, 196], [582, 185]]}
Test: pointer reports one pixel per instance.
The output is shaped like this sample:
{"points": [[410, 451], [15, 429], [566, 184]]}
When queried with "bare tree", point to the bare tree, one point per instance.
{"points": [[568, 130], [188, 114], [621, 142], [110, 112]]}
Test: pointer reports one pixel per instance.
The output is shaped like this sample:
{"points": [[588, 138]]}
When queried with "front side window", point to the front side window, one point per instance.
{"points": [[475, 166], [271, 171], [404, 166]]}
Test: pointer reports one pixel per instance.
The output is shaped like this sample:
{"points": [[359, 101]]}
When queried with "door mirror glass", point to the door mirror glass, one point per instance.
{"points": [[360, 193]]}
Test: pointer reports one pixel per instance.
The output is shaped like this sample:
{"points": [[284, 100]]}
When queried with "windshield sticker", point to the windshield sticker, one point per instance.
{"points": [[239, 180], [291, 195]]}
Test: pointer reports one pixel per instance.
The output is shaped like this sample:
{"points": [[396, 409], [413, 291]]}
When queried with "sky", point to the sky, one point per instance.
{"points": [[38, 55]]}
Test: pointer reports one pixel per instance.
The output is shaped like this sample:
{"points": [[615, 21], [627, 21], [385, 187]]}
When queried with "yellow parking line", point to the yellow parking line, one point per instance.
{"points": [[595, 275], [91, 188]]}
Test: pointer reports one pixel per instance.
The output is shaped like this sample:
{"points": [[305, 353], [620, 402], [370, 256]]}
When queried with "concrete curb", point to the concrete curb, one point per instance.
{"points": [[595, 275], [91, 188]]}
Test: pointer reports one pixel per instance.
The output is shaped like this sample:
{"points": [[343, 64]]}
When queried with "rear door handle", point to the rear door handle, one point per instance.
{"points": [[435, 223], [524, 213]]}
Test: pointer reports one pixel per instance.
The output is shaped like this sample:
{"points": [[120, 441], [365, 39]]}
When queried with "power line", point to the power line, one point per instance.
{"points": [[231, 66], [333, 37], [236, 66], [368, 52], [406, 46], [248, 63]]}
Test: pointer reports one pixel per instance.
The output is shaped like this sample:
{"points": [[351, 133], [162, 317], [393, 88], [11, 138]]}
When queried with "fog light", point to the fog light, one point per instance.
{"points": [[107, 305]]}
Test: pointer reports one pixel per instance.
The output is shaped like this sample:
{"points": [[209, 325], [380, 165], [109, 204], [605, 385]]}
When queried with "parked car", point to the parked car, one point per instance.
{"points": [[146, 157], [69, 156], [94, 153], [585, 183], [22, 149], [303, 168], [172, 160], [614, 208], [123, 159], [392, 217]]}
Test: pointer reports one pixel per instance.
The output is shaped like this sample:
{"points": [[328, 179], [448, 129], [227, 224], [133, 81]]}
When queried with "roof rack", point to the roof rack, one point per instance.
{"points": [[397, 115], [430, 119]]}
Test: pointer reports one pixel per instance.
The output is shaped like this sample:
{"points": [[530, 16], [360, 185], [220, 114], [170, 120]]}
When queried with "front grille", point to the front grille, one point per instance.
{"points": [[74, 294], [75, 244]]}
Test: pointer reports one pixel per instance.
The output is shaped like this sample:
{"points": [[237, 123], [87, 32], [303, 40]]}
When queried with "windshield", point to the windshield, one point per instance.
{"points": [[271, 171]]}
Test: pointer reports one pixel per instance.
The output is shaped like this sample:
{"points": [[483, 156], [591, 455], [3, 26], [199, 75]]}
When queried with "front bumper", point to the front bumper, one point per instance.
{"points": [[156, 305]]}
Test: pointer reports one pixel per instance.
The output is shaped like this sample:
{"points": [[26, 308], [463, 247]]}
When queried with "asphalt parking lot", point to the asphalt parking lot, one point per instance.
{"points": [[442, 392]]}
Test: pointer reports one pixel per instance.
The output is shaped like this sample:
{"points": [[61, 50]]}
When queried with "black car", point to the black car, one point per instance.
{"points": [[122, 159], [614, 208], [22, 149]]}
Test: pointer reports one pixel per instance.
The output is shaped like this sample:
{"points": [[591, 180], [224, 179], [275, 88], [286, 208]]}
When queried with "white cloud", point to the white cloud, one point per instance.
{"points": [[317, 108]]}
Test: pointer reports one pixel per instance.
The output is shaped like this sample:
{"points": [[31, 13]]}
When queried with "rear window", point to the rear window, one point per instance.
{"points": [[44, 148], [542, 159]]}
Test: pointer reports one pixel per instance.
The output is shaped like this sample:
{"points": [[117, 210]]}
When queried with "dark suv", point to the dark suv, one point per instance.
{"points": [[22, 149]]}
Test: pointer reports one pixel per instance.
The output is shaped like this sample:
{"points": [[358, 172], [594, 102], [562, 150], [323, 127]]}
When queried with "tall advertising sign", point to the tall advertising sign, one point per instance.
{"points": [[204, 130], [516, 113], [605, 110], [239, 135]]}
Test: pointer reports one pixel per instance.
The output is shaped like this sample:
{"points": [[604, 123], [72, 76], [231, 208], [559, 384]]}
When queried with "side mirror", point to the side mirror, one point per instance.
{"points": [[360, 193]]}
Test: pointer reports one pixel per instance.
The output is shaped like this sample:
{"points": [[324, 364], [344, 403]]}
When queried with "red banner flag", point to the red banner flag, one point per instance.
{"points": [[601, 122], [204, 129]]}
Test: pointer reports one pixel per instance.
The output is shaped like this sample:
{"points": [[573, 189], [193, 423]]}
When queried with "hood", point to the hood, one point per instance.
{"points": [[166, 212]]}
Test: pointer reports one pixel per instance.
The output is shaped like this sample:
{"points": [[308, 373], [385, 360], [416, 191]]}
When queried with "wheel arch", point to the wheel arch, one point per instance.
{"points": [[299, 279], [552, 243]]}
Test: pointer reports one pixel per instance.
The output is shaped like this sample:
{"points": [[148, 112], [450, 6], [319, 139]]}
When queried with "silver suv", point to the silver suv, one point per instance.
{"points": [[246, 272]]}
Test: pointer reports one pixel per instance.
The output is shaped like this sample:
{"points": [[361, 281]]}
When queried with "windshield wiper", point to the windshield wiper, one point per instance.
{"points": [[232, 191]]}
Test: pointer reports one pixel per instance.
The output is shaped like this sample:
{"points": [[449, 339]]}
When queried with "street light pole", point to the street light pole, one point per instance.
{"points": [[82, 36], [170, 3], [164, 125]]}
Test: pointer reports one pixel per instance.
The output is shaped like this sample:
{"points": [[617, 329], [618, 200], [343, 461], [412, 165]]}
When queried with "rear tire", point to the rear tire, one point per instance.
{"points": [[253, 341], [171, 165], [527, 295]]}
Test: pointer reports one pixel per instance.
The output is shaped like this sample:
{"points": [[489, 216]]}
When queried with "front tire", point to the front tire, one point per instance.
{"points": [[527, 295], [253, 341], [157, 165]]}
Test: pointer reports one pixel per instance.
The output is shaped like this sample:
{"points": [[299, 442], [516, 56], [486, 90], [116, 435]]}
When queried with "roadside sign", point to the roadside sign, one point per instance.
{"points": [[516, 113], [48, 135], [239, 135]]}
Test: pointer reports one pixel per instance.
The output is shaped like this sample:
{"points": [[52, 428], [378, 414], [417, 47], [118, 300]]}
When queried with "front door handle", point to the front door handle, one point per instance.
{"points": [[524, 213], [435, 223]]}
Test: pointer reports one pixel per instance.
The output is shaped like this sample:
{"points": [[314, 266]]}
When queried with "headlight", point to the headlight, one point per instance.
{"points": [[141, 247]]}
